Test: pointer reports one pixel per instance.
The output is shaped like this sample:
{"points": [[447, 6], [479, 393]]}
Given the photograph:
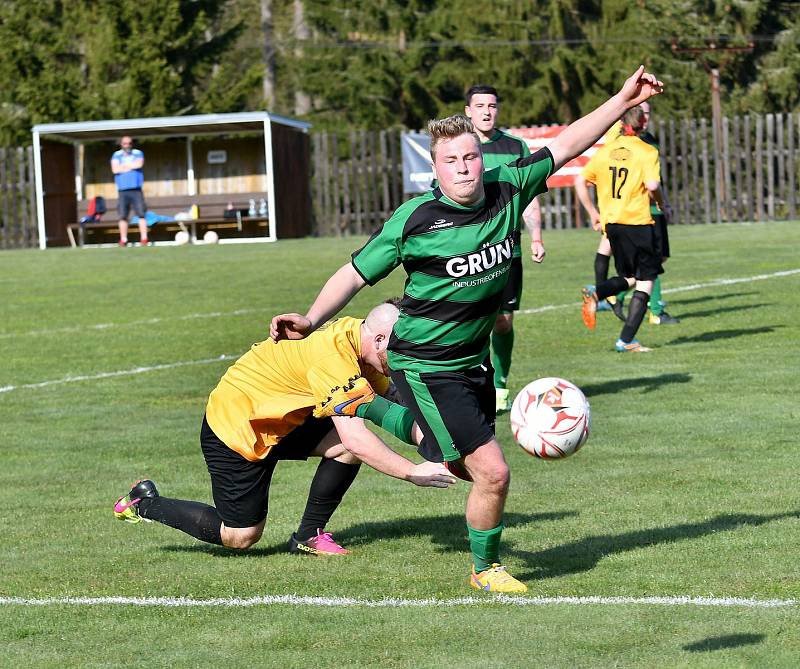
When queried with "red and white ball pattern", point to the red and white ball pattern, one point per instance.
{"points": [[551, 418]]}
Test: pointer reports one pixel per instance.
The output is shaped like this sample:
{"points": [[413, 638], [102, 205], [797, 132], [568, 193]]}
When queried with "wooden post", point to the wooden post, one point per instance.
{"points": [[4, 199], [696, 186], [748, 162], [33, 234], [685, 184], [347, 219], [335, 189], [770, 151], [791, 179], [383, 163], [780, 190], [736, 159], [759, 214], [727, 193], [395, 169], [706, 174], [356, 182]]}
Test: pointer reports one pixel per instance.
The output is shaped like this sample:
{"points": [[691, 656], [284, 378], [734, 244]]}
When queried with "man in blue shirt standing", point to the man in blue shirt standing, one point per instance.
{"points": [[127, 164]]}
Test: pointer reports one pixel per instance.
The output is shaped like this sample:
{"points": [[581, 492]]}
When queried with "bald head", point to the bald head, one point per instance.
{"points": [[382, 318], [375, 332]]}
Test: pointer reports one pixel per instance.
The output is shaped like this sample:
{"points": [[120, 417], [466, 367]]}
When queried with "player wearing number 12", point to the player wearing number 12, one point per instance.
{"points": [[625, 172]]}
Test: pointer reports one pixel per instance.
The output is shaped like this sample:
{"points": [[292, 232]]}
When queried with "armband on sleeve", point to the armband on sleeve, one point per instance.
{"points": [[344, 401], [389, 416]]}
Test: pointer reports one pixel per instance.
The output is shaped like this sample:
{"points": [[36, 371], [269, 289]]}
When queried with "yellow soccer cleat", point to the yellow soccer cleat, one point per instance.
{"points": [[501, 400], [496, 579]]}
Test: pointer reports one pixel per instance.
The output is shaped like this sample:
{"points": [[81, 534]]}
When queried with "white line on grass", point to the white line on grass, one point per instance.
{"points": [[146, 321], [681, 289], [143, 370], [108, 375], [242, 312], [353, 602]]}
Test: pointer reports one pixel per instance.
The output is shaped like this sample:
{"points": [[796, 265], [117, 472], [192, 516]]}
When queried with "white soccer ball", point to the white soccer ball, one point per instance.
{"points": [[210, 237], [551, 418], [181, 237]]}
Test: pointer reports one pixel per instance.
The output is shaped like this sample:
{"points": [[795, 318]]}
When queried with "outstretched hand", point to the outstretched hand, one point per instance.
{"points": [[431, 474], [639, 87], [289, 326]]}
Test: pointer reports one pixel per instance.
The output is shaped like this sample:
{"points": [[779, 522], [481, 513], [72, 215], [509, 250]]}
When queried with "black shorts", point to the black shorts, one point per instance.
{"points": [[454, 410], [131, 199], [513, 290], [662, 235], [634, 250], [241, 487]]}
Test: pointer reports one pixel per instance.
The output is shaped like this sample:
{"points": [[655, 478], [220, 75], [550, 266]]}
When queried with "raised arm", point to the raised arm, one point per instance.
{"points": [[335, 294], [584, 132]]}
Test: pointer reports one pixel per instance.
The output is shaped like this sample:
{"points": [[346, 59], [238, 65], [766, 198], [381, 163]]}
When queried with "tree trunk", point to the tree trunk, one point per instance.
{"points": [[268, 54], [302, 102]]}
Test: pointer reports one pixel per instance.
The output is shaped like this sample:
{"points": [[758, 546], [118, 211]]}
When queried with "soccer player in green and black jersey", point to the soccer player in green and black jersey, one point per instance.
{"points": [[456, 245], [500, 148]]}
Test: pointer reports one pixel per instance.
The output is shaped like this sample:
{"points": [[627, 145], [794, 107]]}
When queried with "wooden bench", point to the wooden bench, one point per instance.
{"points": [[212, 209]]}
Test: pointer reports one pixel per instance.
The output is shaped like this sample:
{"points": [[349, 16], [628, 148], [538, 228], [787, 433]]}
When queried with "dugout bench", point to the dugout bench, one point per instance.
{"points": [[214, 214]]}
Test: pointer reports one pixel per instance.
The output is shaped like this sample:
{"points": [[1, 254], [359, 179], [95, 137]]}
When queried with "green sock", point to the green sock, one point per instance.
{"points": [[655, 297], [502, 345], [485, 546]]}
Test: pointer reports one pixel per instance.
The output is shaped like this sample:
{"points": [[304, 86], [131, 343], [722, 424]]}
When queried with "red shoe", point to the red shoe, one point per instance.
{"points": [[145, 242], [122, 243], [589, 309]]}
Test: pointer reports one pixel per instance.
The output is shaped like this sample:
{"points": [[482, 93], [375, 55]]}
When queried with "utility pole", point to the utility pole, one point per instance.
{"points": [[713, 64]]}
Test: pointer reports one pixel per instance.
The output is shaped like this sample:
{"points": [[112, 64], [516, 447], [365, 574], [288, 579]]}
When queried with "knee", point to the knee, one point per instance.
{"points": [[239, 539], [496, 478]]}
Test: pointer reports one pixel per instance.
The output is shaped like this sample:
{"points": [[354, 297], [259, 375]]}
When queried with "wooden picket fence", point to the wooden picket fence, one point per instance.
{"points": [[357, 178], [752, 176], [18, 225]]}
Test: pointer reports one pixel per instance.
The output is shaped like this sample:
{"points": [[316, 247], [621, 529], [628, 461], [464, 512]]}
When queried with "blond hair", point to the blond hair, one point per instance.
{"points": [[634, 119], [449, 128]]}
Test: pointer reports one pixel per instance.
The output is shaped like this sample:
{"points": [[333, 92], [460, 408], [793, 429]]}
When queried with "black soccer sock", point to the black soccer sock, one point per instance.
{"points": [[636, 311], [195, 518], [331, 481], [614, 285], [600, 268]]}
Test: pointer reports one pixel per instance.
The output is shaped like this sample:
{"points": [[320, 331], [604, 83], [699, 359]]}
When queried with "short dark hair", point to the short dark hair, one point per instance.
{"points": [[481, 89]]}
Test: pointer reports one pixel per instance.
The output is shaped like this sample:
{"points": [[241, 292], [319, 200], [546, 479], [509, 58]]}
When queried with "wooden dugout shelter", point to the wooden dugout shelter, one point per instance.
{"points": [[211, 160]]}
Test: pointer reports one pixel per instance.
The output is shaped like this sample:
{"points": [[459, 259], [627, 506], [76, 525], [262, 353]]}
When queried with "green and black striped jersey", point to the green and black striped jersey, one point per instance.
{"points": [[503, 149], [457, 260]]}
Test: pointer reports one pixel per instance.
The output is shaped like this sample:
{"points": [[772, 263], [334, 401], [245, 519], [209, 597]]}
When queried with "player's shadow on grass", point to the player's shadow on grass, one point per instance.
{"points": [[583, 555], [724, 641], [447, 532], [723, 334], [648, 383], [689, 315], [705, 300]]}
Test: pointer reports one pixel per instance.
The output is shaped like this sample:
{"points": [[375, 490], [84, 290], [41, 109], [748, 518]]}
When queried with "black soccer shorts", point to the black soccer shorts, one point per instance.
{"points": [[241, 487], [512, 293], [635, 251], [454, 410]]}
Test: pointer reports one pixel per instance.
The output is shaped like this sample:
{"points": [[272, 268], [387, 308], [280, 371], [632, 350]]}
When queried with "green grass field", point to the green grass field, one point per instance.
{"points": [[686, 488]]}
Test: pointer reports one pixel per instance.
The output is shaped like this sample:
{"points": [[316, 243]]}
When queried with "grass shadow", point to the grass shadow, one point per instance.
{"points": [[689, 315], [648, 383], [579, 556], [723, 334], [448, 532], [724, 641], [706, 299]]}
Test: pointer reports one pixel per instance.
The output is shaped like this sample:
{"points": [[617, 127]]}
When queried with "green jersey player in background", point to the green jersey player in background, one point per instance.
{"points": [[500, 148], [455, 244]]}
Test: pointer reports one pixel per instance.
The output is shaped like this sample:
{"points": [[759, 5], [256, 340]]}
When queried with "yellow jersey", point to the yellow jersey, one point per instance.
{"points": [[273, 388], [619, 170]]}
